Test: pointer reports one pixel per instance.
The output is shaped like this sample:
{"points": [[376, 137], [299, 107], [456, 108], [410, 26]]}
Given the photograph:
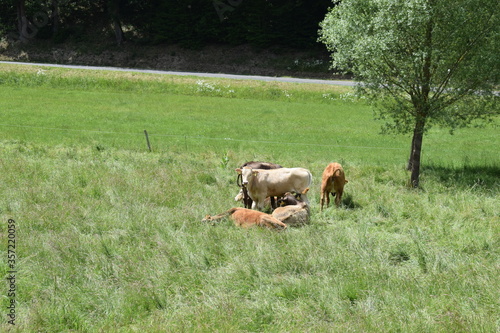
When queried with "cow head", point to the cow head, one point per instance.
{"points": [[289, 199], [246, 174]]}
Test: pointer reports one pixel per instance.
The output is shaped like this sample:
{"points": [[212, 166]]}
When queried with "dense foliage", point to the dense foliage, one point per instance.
{"points": [[191, 23]]}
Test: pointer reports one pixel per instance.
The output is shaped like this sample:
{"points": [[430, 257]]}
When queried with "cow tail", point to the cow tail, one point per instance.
{"points": [[337, 173], [310, 181], [334, 175]]}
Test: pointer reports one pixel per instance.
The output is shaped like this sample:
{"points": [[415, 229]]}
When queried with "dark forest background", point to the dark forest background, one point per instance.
{"points": [[189, 23]]}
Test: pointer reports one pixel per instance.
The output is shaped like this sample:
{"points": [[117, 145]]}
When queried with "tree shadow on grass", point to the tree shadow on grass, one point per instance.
{"points": [[465, 177]]}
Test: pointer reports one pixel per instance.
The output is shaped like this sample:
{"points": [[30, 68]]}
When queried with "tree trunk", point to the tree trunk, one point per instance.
{"points": [[410, 164], [118, 31], [114, 12], [55, 16], [422, 108], [416, 151], [22, 21]]}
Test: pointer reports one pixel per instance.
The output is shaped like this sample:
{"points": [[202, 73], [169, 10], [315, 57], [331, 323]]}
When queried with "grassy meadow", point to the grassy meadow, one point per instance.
{"points": [[109, 238]]}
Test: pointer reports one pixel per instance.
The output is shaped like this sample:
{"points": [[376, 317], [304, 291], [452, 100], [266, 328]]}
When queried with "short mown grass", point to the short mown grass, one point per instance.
{"points": [[109, 237]]}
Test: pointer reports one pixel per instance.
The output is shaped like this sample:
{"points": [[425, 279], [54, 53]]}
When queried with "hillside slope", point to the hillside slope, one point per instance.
{"points": [[242, 59]]}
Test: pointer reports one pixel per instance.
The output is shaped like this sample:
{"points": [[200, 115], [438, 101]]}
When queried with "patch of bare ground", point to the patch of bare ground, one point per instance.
{"points": [[243, 59]]}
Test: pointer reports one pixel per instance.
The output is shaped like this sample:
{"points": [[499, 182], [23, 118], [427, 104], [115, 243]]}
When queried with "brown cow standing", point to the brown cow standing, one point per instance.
{"points": [[247, 218], [333, 182]]}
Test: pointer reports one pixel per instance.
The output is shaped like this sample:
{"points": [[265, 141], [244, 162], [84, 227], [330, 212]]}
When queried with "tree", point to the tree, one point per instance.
{"points": [[55, 16], [421, 62], [23, 25], [114, 13]]}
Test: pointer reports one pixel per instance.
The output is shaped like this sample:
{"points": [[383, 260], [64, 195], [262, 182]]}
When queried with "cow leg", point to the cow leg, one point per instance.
{"points": [[338, 198], [247, 201], [322, 200], [325, 196], [304, 198], [258, 204], [334, 195], [273, 203], [272, 223]]}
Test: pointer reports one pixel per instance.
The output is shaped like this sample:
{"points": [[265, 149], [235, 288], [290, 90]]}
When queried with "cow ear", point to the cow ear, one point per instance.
{"points": [[346, 181], [238, 170], [255, 172]]}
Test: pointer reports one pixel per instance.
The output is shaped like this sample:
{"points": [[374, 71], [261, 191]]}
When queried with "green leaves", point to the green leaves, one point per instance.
{"points": [[422, 54], [422, 62]]}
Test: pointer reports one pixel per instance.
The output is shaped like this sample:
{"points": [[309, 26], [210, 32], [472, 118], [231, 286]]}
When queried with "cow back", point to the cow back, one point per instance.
{"points": [[275, 182], [261, 165]]}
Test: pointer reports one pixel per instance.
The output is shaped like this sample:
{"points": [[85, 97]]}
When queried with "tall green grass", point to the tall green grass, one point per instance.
{"points": [[110, 239]]}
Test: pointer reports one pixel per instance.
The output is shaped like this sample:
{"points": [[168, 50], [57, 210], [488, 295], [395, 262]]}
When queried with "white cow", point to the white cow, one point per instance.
{"points": [[265, 183]]}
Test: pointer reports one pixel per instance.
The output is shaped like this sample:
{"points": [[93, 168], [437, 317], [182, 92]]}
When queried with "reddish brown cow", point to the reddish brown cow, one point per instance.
{"points": [[333, 182], [247, 218]]}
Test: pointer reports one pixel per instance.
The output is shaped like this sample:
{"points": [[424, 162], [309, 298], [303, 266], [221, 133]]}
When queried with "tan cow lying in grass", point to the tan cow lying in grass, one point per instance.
{"points": [[247, 218], [293, 215], [333, 181]]}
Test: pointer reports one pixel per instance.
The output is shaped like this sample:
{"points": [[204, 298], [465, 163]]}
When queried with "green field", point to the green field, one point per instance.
{"points": [[109, 238]]}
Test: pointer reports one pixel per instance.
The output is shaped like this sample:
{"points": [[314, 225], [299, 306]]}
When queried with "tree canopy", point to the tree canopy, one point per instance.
{"points": [[190, 23], [421, 62]]}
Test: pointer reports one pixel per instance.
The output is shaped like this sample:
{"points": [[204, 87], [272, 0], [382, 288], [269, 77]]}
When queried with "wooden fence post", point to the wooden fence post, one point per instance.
{"points": [[147, 139]]}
